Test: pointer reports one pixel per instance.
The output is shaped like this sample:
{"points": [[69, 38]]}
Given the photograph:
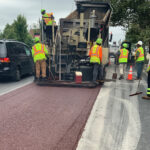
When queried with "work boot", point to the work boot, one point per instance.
{"points": [[146, 97], [36, 79], [95, 82], [121, 77], [44, 79]]}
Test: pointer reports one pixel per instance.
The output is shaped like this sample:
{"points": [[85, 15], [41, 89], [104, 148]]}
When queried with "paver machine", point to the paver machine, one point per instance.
{"points": [[72, 42]]}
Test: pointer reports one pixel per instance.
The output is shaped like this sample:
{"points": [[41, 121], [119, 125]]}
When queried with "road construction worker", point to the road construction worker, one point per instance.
{"points": [[148, 79], [39, 53], [123, 60], [47, 17], [48, 21], [96, 58], [139, 59]]}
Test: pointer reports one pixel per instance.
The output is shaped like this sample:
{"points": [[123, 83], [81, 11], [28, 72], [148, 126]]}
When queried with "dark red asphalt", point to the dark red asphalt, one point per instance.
{"points": [[44, 118]]}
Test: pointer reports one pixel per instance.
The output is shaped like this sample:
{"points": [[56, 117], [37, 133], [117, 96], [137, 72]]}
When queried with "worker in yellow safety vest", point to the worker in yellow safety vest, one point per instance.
{"points": [[139, 58], [47, 23], [96, 59], [123, 60], [39, 53], [48, 18], [148, 79]]}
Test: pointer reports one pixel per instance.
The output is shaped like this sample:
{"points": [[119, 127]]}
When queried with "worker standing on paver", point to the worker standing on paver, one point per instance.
{"points": [[139, 58], [123, 60], [46, 17], [48, 21], [39, 53], [96, 58]]}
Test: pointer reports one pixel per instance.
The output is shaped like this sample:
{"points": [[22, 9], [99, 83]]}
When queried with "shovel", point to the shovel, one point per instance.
{"points": [[137, 91], [114, 76]]}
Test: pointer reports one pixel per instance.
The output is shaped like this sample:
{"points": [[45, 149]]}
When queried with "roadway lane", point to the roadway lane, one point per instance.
{"points": [[44, 118], [7, 85], [118, 121]]}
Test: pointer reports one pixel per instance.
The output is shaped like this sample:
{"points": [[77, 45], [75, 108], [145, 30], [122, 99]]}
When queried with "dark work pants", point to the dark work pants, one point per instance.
{"points": [[148, 82], [139, 67], [97, 70]]}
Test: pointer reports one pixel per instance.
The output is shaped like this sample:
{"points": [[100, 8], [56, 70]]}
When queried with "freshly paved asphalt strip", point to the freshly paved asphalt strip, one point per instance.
{"points": [[44, 118], [118, 121]]}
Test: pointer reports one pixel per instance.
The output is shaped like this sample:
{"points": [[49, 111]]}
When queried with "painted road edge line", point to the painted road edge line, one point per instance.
{"points": [[96, 120]]}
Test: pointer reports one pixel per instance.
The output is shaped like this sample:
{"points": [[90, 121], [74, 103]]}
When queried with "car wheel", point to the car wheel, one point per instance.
{"points": [[17, 76]]}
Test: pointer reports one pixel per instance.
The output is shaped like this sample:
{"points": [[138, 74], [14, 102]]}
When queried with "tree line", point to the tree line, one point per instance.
{"points": [[18, 30], [134, 15]]}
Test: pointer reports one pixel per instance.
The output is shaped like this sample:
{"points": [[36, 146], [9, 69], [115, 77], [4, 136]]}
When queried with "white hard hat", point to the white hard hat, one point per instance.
{"points": [[140, 43]]}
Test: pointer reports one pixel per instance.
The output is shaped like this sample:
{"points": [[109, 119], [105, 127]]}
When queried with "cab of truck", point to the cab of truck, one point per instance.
{"points": [[15, 59]]}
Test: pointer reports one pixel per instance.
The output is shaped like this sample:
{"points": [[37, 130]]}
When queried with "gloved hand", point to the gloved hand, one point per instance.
{"points": [[148, 56]]}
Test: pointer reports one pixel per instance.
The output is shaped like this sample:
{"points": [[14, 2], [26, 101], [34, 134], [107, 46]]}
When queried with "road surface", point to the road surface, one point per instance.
{"points": [[44, 118], [7, 85], [118, 121], [54, 118]]}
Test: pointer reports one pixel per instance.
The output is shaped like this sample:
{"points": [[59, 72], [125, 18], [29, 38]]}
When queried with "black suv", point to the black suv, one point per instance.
{"points": [[15, 59]]}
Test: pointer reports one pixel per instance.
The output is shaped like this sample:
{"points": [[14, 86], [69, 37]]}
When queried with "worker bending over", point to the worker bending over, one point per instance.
{"points": [[39, 53], [123, 60], [96, 58], [139, 58]]}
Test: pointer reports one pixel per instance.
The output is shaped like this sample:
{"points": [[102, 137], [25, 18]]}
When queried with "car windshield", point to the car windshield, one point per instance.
{"points": [[2, 50]]}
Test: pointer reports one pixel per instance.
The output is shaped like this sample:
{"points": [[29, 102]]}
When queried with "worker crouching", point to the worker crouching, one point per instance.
{"points": [[123, 60], [39, 53], [96, 58]]}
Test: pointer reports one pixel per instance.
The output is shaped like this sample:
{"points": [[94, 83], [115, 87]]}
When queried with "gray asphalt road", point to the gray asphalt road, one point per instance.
{"points": [[7, 85], [118, 121]]}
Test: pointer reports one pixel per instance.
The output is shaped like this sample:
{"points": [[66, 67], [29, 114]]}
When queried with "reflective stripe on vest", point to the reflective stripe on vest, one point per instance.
{"points": [[95, 54], [148, 91], [141, 56], [47, 18], [41, 51], [123, 58]]}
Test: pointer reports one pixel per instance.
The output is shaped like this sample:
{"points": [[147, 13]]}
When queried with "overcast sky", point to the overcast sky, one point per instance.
{"points": [[31, 9]]}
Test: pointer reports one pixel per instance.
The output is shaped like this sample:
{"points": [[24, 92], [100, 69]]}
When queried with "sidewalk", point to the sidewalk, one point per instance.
{"points": [[114, 123]]}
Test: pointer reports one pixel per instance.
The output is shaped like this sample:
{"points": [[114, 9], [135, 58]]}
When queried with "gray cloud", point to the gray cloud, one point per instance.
{"points": [[10, 9]]}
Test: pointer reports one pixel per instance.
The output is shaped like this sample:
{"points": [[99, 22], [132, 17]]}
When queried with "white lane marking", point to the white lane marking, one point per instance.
{"points": [[93, 133], [90, 139], [19, 85], [133, 133]]}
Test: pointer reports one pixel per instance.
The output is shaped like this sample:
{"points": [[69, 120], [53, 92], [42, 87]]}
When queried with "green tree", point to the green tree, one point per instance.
{"points": [[9, 32], [20, 28], [29, 40], [17, 31], [134, 16]]}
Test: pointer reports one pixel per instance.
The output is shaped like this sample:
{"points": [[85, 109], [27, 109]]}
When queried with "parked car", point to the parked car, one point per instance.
{"points": [[15, 59]]}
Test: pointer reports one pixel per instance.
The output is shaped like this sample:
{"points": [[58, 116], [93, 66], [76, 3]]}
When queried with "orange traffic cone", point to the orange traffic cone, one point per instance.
{"points": [[130, 74]]}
